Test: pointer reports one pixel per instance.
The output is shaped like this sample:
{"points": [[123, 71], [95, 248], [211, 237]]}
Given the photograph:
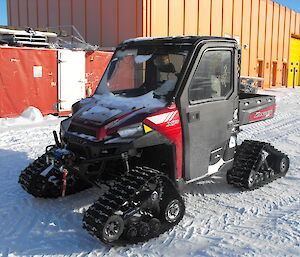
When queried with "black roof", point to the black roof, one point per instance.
{"points": [[177, 40]]}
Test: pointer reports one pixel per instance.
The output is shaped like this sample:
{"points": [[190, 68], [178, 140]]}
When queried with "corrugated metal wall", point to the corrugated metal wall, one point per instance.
{"points": [[104, 22], [264, 28]]}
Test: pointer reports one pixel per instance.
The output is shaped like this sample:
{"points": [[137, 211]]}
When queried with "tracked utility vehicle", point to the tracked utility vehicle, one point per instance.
{"points": [[167, 112]]}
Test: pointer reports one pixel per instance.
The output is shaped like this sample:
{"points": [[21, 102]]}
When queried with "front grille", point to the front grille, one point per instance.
{"points": [[83, 130], [90, 149], [78, 149]]}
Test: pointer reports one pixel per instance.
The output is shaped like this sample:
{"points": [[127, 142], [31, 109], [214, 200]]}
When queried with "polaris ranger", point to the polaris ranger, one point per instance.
{"points": [[167, 112]]}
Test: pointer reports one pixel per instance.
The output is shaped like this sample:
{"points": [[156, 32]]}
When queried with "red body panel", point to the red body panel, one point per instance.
{"points": [[263, 114], [107, 130], [167, 122]]}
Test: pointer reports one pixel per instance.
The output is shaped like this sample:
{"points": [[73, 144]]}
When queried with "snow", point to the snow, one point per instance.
{"points": [[29, 115], [101, 107], [99, 112], [84, 136], [105, 106], [137, 39], [220, 220], [165, 88]]}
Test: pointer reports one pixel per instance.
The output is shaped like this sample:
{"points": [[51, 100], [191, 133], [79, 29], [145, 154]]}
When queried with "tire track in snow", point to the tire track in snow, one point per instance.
{"points": [[220, 220]]}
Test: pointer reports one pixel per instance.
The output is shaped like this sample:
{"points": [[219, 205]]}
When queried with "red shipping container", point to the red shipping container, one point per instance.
{"points": [[95, 65], [28, 77]]}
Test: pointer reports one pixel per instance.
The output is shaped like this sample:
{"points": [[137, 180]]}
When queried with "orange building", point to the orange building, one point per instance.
{"points": [[269, 34]]}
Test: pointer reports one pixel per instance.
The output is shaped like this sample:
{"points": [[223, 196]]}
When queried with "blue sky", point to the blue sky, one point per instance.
{"points": [[3, 16], [292, 4]]}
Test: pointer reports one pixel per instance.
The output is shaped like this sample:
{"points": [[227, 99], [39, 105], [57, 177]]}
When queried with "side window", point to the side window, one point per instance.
{"points": [[213, 76]]}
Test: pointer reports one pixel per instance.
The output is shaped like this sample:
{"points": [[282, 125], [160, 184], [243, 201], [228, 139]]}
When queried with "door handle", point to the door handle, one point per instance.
{"points": [[193, 116]]}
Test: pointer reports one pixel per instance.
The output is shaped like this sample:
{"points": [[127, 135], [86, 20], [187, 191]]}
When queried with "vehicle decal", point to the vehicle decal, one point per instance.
{"points": [[162, 118], [147, 129], [167, 122], [263, 114]]}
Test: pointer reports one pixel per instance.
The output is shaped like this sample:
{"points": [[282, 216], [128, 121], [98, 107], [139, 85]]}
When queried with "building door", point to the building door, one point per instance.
{"points": [[294, 74], [294, 65], [274, 73], [260, 72], [71, 78], [284, 75]]}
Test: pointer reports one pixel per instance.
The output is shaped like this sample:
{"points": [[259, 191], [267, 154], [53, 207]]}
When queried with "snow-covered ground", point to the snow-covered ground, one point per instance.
{"points": [[220, 220]]}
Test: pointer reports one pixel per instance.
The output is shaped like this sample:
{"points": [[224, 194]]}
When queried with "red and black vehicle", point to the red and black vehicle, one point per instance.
{"points": [[167, 112]]}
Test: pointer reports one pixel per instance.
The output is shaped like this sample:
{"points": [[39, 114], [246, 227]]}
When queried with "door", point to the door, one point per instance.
{"points": [[294, 74], [294, 64], [274, 73], [284, 75], [71, 77], [209, 110], [260, 72]]}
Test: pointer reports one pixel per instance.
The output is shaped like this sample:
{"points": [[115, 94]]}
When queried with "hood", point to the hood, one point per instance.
{"points": [[104, 109]]}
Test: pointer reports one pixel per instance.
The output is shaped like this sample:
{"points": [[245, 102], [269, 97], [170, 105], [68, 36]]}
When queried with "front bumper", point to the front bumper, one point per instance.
{"points": [[90, 149]]}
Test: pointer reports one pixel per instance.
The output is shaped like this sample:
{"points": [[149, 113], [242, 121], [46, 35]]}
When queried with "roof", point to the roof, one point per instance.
{"points": [[181, 40]]}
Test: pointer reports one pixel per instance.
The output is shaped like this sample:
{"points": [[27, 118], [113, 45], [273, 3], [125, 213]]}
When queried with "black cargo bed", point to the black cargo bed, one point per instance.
{"points": [[255, 107]]}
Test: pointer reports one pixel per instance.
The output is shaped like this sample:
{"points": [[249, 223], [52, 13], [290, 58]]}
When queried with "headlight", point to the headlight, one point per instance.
{"points": [[64, 125], [132, 130], [75, 107]]}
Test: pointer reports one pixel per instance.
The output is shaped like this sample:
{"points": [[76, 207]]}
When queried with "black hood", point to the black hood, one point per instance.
{"points": [[100, 110]]}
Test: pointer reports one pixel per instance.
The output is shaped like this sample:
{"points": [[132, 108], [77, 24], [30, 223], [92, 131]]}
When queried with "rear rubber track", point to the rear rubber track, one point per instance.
{"points": [[250, 162]]}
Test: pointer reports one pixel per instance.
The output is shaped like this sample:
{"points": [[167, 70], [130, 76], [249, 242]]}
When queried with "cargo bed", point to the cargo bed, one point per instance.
{"points": [[255, 107]]}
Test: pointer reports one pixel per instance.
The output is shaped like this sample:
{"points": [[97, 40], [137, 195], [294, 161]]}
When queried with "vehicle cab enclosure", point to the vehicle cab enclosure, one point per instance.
{"points": [[168, 103]]}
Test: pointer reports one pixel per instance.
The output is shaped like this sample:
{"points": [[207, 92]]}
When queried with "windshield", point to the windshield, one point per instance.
{"points": [[137, 72]]}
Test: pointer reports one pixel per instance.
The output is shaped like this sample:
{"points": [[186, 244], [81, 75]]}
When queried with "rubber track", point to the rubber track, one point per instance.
{"points": [[124, 189], [39, 185], [247, 158]]}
